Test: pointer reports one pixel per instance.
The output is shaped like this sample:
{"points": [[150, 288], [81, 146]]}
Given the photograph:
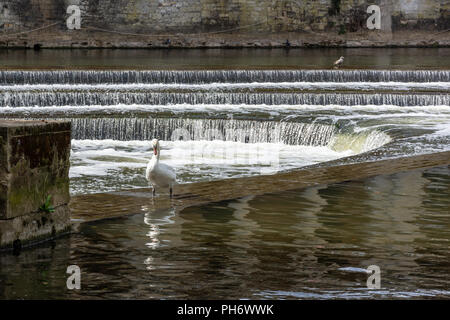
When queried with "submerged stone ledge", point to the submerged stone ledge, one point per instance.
{"points": [[34, 164], [93, 207]]}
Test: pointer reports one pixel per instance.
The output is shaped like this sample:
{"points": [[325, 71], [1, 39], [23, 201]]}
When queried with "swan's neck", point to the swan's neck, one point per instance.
{"points": [[158, 152]]}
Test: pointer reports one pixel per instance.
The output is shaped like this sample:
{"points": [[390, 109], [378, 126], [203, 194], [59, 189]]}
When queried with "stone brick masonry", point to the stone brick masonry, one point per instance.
{"points": [[222, 23]]}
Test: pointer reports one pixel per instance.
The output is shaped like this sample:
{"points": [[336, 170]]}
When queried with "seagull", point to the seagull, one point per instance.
{"points": [[159, 174], [338, 62]]}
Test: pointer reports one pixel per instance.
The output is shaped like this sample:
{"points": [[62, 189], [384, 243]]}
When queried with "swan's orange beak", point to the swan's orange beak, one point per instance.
{"points": [[155, 151]]}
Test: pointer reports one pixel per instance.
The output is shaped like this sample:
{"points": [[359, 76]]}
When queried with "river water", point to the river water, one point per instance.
{"points": [[308, 244], [239, 113], [383, 58]]}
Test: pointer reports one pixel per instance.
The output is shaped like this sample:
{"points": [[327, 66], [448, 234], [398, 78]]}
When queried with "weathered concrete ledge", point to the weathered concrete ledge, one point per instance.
{"points": [[87, 208], [34, 164]]}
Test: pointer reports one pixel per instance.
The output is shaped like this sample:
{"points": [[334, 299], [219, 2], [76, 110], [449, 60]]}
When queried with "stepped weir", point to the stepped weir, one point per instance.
{"points": [[315, 115], [210, 76]]}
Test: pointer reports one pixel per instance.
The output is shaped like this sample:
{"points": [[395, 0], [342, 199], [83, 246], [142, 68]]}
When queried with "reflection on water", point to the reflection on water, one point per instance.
{"points": [[313, 243], [361, 58]]}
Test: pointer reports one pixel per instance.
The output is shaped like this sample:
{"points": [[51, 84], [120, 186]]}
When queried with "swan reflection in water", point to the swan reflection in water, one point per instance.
{"points": [[155, 218]]}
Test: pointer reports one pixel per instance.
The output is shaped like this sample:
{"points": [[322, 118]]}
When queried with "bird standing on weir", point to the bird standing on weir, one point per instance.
{"points": [[338, 62], [159, 174]]}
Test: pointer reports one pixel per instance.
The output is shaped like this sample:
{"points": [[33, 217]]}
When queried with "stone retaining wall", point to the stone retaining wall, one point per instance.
{"points": [[34, 163], [198, 23]]}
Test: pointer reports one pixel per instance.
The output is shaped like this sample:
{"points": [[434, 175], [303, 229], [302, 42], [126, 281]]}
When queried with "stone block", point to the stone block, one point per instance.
{"points": [[32, 228], [34, 163]]}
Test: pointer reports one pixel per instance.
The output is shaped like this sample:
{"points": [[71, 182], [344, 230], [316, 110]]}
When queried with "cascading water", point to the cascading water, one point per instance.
{"points": [[246, 131], [21, 99], [228, 123], [230, 76]]}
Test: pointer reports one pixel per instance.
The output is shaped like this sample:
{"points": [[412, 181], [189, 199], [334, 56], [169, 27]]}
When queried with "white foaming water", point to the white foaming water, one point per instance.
{"points": [[442, 86], [359, 143], [442, 130], [211, 108], [121, 164]]}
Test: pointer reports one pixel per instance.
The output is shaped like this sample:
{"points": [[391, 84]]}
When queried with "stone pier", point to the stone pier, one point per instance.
{"points": [[34, 164]]}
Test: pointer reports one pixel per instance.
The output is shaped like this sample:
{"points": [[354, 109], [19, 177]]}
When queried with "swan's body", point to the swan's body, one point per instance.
{"points": [[338, 62], [159, 174]]}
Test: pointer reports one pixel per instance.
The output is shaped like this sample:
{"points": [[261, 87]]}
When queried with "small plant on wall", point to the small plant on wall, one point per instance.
{"points": [[47, 206]]}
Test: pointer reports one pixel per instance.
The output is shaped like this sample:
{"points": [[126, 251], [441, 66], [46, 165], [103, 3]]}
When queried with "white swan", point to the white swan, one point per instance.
{"points": [[159, 174]]}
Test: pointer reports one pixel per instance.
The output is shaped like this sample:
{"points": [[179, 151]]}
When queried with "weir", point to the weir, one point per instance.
{"points": [[171, 129], [208, 76], [25, 99], [369, 123]]}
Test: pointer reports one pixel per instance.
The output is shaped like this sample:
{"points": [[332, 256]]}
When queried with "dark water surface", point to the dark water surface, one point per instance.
{"points": [[362, 58], [311, 243]]}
